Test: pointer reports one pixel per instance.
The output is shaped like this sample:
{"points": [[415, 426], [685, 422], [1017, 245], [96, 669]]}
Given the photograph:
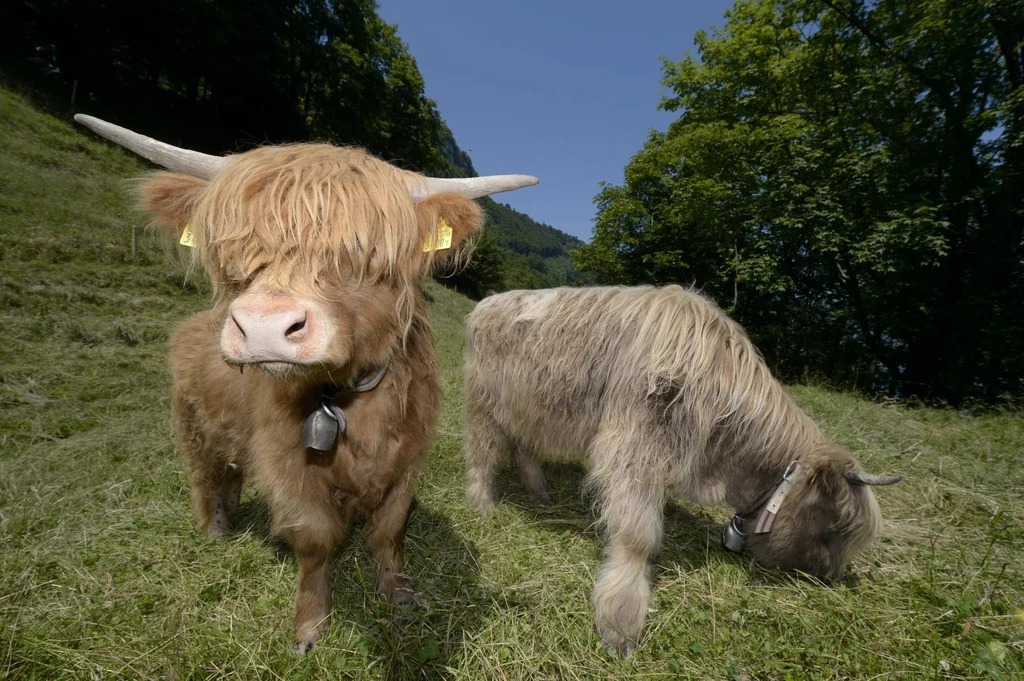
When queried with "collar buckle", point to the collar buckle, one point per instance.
{"points": [[734, 536]]}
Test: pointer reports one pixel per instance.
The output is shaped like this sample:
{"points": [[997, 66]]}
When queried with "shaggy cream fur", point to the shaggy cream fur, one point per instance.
{"points": [[660, 394]]}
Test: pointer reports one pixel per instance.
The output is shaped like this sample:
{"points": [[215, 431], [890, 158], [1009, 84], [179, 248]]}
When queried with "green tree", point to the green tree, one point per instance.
{"points": [[226, 75], [483, 275], [846, 178]]}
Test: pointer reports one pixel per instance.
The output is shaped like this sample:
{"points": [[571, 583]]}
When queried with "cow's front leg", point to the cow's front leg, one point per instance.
{"points": [[314, 542], [632, 513], [532, 475], [486, 448], [385, 539], [313, 606]]}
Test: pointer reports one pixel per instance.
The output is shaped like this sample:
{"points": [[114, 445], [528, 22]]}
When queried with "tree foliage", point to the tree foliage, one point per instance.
{"points": [[225, 75], [846, 177], [484, 274], [516, 252]]}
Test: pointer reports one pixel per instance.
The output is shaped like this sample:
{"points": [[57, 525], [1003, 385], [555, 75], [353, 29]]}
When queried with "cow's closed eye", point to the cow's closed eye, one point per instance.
{"points": [[233, 275], [238, 276]]}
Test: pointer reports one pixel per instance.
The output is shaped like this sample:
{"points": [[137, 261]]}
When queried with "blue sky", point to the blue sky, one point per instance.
{"points": [[561, 89]]}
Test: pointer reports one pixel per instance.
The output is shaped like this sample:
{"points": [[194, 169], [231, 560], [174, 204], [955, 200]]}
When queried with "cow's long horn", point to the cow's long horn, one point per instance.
{"points": [[206, 166], [470, 187], [864, 478], [173, 158]]}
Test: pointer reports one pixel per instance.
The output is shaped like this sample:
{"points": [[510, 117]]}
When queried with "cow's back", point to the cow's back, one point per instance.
{"points": [[554, 365]]}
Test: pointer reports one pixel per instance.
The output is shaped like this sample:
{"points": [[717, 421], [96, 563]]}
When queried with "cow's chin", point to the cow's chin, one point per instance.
{"points": [[286, 371]]}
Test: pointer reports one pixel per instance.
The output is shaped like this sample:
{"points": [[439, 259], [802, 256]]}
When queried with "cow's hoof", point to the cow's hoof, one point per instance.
{"points": [[217, 530], [480, 498], [304, 646], [405, 597], [542, 497], [400, 592], [616, 644], [483, 509], [306, 637]]}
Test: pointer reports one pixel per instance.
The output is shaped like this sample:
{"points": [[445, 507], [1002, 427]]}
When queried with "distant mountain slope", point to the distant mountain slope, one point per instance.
{"points": [[538, 253], [520, 233], [460, 160], [516, 251]]}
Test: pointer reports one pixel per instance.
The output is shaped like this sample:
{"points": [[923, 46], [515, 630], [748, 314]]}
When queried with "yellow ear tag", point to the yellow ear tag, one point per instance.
{"points": [[186, 237], [444, 237]]}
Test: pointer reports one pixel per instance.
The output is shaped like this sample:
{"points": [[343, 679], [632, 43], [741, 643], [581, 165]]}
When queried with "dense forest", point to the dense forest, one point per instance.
{"points": [[846, 178], [223, 76]]}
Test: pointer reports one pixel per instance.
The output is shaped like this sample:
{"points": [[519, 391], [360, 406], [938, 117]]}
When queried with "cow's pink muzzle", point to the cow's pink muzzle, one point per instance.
{"points": [[263, 328]]}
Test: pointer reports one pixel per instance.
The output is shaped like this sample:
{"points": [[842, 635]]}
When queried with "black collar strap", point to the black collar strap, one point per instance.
{"points": [[363, 383]]}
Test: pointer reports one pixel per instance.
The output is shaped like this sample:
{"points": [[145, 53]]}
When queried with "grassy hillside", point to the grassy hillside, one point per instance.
{"points": [[103, 577]]}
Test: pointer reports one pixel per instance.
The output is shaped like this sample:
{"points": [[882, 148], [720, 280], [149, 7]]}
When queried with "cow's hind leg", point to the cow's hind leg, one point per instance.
{"points": [[532, 475], [385, 538], [232, 490], [632, 513], [486, 448], [216, 484], [222, 498]]}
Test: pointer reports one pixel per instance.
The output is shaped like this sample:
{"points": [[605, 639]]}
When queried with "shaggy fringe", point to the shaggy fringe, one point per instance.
{"points": [[322, 211], [684, 343]]}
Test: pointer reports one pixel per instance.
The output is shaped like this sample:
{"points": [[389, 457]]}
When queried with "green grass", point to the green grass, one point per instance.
{"points": [[102, 575]]}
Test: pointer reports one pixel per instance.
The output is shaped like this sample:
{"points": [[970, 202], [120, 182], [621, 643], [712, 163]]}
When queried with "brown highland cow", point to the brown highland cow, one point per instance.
{"points": [[317, 256], [661, 394]]}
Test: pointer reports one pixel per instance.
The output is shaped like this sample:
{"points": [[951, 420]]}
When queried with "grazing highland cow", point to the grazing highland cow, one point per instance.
{"points": [[317, 255], [661, 395]]}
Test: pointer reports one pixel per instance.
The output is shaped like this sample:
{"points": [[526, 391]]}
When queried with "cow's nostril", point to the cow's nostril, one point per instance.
{"points": [[238, 326], [295, 328]]}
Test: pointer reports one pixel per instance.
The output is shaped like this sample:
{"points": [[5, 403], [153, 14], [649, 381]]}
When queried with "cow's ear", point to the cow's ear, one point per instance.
{"points": [[445, 222], [826, 471], [171, 198]]}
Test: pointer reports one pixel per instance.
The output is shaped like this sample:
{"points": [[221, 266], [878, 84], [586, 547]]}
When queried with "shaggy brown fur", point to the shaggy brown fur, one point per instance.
{"points": [[660, 394], [338, 229]]}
